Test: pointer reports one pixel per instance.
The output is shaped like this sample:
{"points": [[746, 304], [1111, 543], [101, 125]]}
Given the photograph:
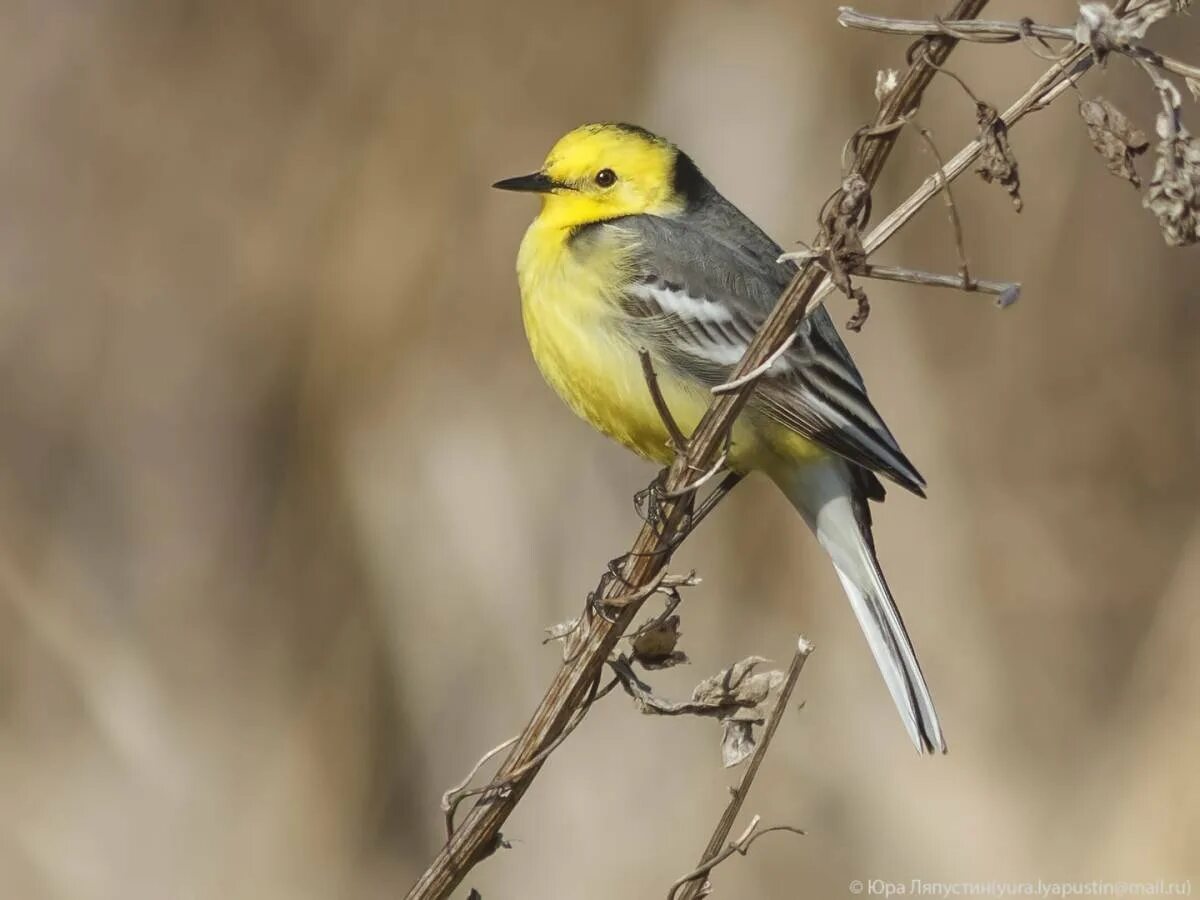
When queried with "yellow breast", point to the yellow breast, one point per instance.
{"points": [[572, 320]]}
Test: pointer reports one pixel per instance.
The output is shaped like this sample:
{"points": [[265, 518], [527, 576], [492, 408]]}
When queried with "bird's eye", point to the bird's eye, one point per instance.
{"points": [[606, 178]]}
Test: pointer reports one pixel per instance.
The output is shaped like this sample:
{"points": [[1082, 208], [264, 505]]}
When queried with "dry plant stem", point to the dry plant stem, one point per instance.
{"points": [[1053, 83], [964, 267], [1166, 63], [1058, 79], [712, 854], [479, 832], [640, 594], [704, 479], [709, 503], [450, 798], [997, 32], [741, 845], [678, 441], [758, 371], [1005, 292], [1005, 32]]}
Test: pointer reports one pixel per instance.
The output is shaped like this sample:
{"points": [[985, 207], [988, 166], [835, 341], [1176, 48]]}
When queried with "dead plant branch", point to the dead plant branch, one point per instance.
{"points": [[741, 845], [1051, 85], [758, 371], [500, 786], [1006, 292], [727, 484], [964, 267], [714, 470], [678, 441], [985, 32], [449, 799], [694, 882]]}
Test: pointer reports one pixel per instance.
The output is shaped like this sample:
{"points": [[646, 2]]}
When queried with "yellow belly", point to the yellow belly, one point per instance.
{"points": [[572, 327]]}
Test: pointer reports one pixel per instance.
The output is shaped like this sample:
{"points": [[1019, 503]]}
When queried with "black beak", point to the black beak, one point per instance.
{"points": [[537, 183]]}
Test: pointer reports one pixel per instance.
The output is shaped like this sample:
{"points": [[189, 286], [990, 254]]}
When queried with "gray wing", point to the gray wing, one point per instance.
{"points": [[697, 301]]}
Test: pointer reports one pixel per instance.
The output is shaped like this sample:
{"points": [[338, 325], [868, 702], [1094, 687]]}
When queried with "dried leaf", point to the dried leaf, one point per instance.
{"points": [[654, 648], [733, 690], [862, 308], [854, 194], [1174, 193], [841, 242], [737, 741], [1096, 27], [997, 162], [738, 686], [568, 633], [560, 631], [1114, 137], [1099, 28], [734, 696]]}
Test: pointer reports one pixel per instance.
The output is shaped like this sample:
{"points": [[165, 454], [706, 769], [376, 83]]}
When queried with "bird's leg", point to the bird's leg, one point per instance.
{"points": [[648, 502]]}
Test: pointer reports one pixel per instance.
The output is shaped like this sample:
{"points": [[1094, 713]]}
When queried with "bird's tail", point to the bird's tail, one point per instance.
{"points": [[834, 505]]}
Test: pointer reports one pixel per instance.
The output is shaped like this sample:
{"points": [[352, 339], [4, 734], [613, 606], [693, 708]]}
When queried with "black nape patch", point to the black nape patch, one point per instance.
{"points": [[688, 182]]}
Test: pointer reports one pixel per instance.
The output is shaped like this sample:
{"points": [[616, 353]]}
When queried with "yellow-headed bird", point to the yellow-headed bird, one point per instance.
{"points": [[634, 248]]}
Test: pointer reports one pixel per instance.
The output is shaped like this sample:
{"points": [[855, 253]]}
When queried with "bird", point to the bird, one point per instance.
{"points": [[634, 250]]}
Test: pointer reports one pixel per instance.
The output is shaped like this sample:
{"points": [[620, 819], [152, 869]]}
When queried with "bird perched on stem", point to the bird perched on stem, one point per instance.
{"points": [[635, 249]]}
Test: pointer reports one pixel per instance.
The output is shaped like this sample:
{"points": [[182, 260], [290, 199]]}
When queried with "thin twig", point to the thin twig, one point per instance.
{"points": [[712, 854], [499, 785], [678, 441], [1006, 292], [1043, 92], [1058, 78], [963, 29], [673, 600], [741, 845], [713, 471], [964, 268], [709, 503], [985, 32], [758, 371], [966, 88], [850, 148], [1166, 63], [448, 799], [640, 594]]}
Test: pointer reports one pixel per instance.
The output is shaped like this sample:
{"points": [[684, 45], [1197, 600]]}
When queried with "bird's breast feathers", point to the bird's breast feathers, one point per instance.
{"points": [[570, 301], [570, 306]]}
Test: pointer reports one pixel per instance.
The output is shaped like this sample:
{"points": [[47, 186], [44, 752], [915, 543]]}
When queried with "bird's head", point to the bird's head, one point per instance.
{"points": [[599, 172]]}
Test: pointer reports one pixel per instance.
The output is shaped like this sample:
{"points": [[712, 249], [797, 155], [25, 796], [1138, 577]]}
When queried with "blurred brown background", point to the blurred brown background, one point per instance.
{"points": [[284, 504]]}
